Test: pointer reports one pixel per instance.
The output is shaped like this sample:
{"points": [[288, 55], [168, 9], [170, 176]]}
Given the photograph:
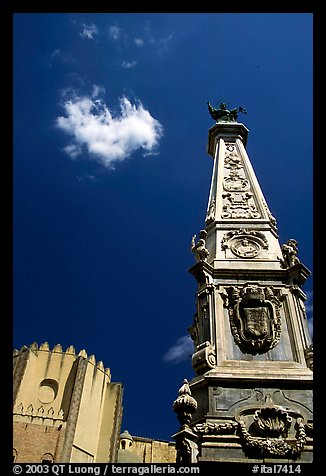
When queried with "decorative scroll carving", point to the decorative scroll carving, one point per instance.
{"points": [[272, 421], [255, 318], [309, 355], [211, 212], [187, 451], [272, 425], [235, 183], [232, 159], [244, 243], [238, 200], [199, 249], [204, 358], [239, 205], [225, 428]]}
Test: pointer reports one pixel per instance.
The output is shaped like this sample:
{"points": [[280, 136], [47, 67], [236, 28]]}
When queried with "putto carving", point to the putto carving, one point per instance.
{"points": [[244, 243], [289, 252], [199, 249], [255, 318]]}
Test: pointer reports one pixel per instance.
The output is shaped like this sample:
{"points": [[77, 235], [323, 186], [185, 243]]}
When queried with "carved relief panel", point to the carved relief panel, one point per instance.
{"points": [[238, 199], [201, 331], [271, 430], [255, 318], [244, 243]]}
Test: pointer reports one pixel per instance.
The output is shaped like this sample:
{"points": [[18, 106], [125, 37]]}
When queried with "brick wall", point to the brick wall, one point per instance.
{"points": [[33, 441]]}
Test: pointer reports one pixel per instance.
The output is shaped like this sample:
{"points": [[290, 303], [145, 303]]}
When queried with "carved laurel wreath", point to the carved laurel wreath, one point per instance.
{"points": [[275, 446]]}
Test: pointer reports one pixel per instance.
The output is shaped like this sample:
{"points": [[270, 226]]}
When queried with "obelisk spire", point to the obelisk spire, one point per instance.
{"points": [[239, 224], [253, 352]]}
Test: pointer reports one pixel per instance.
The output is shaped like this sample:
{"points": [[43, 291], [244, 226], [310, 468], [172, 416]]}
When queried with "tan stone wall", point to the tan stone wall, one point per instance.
{"points": [[154, 451], [67, 401], [32, 441]]}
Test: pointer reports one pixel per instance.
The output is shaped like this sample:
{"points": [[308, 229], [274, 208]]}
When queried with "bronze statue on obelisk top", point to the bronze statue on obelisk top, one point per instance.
{"points": [[222, 114]]}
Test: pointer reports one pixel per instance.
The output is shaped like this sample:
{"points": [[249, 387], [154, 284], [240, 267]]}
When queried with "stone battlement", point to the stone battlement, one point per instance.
{"points": [[44, 347]]}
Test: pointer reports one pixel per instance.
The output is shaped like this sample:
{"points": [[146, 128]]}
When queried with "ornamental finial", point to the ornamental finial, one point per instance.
{"points": [[185, 405]]}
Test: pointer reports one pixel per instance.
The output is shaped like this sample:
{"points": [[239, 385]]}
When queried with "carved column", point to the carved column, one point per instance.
{"points": [[253, 350]]}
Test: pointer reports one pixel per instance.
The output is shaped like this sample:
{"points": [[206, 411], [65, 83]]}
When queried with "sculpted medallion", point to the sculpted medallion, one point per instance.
{"points": [[245, 243]]}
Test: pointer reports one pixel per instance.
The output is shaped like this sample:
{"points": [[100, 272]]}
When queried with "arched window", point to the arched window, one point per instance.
{"points": [[47, 458]]}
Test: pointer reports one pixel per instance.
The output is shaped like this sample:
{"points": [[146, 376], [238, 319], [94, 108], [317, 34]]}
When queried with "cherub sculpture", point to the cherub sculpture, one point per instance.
{"points": [[199, 249], [289, 251]]}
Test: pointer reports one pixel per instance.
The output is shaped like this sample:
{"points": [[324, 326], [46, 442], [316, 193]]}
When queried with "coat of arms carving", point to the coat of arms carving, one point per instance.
{"points": [[255, 318]]}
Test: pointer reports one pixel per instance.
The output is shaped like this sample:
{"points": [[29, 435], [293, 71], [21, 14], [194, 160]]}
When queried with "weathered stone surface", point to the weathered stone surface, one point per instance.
{"points": [[253, 352], [64, 406]]}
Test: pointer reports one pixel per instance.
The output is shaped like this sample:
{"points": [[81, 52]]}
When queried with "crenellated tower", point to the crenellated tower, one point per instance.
{"points": [[253, 350], [65, 409]]}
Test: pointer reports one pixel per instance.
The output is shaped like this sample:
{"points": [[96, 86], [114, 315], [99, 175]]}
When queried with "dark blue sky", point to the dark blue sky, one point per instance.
{"points": [[111, 177]]}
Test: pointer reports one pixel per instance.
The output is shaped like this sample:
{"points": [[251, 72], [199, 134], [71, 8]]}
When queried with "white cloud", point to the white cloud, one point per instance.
{"points": [[105, 138], [128, 64], [114, 32], [97, 90], [86, 177], [55, 53], [73, 150], [139, 41], [182, 350], [89, 31], [59, 55]]}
